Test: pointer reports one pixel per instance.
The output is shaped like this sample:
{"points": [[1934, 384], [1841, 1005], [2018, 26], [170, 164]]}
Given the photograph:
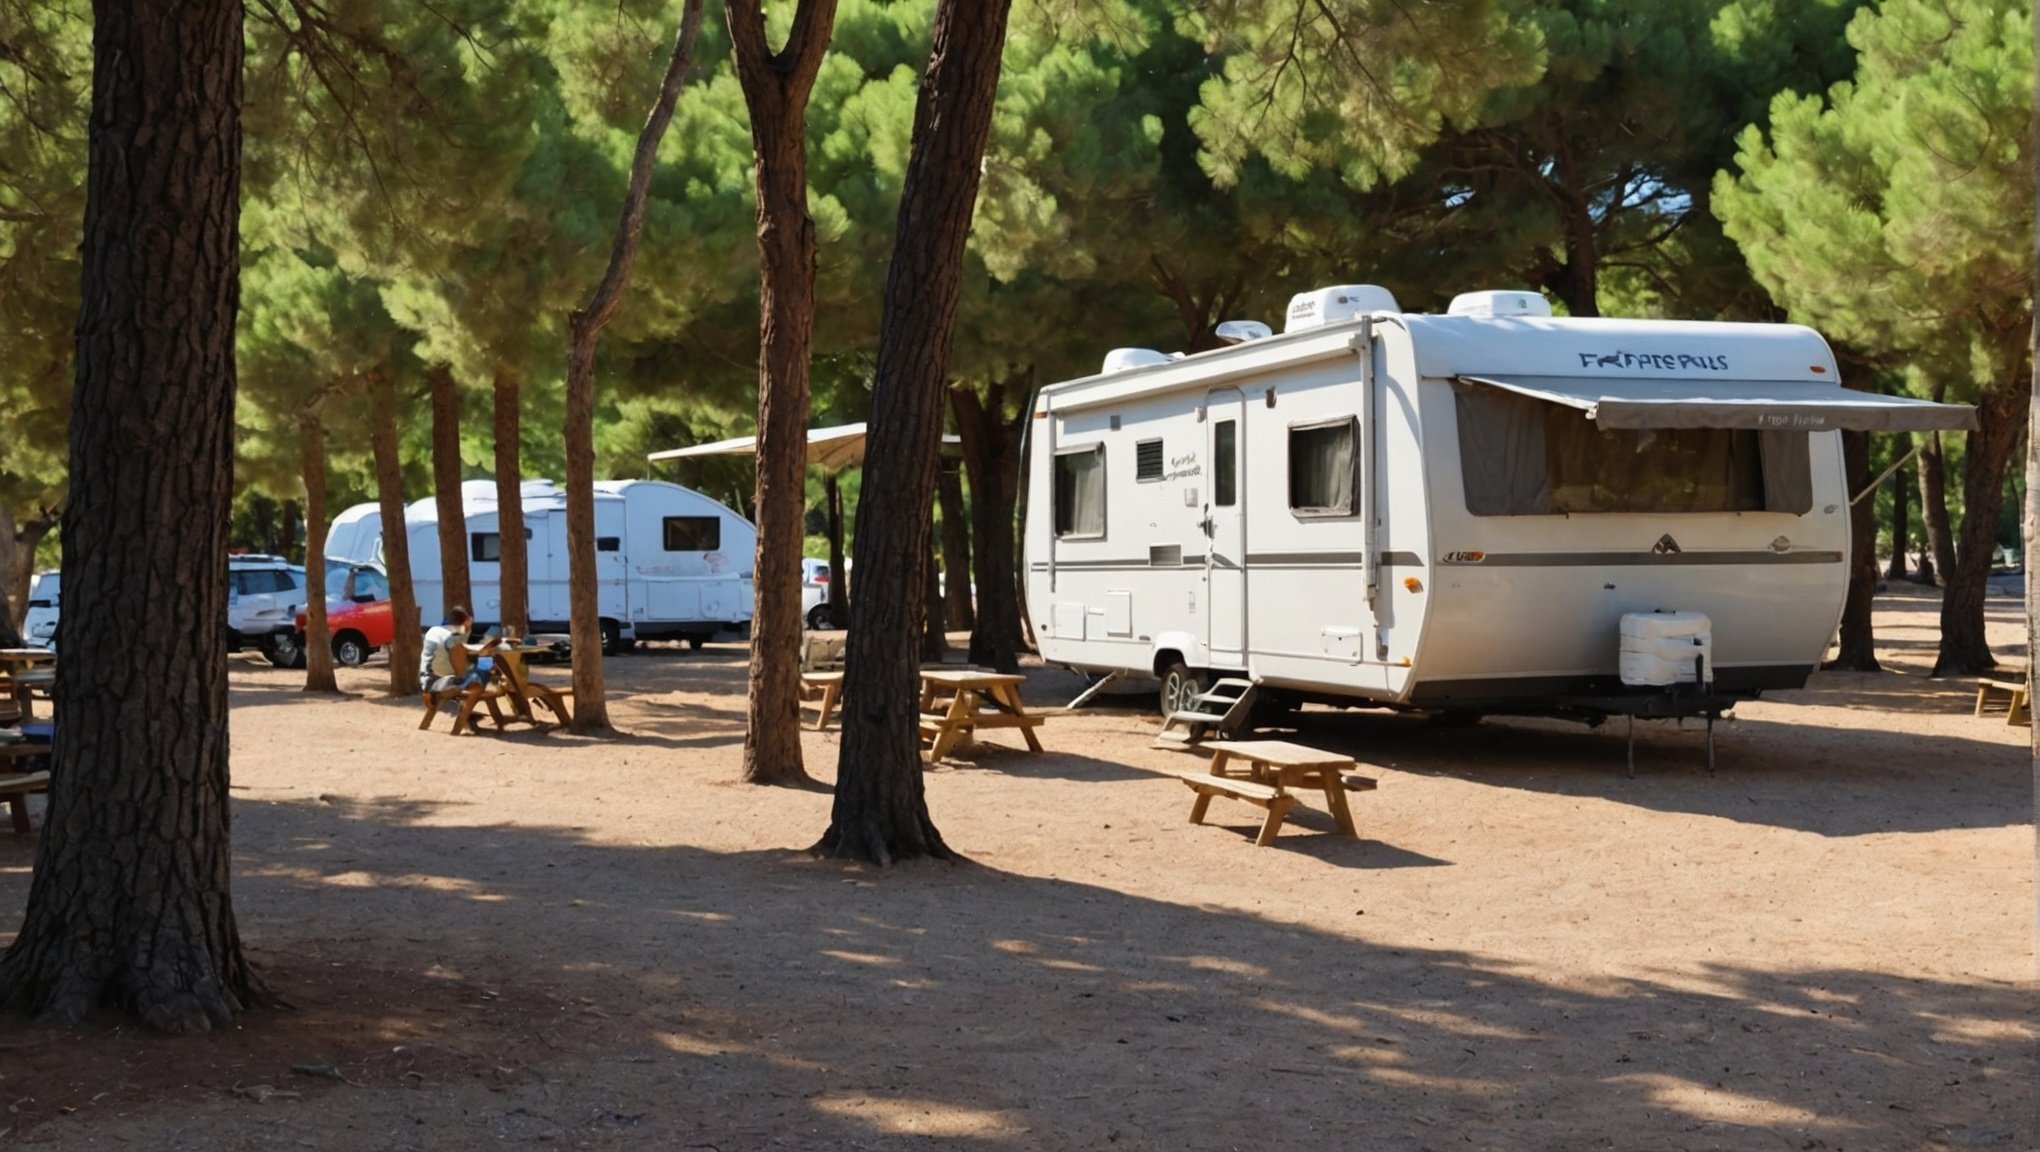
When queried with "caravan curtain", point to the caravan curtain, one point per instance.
{"points": [[1080, 492], [1321, 468], [1501, 452]]}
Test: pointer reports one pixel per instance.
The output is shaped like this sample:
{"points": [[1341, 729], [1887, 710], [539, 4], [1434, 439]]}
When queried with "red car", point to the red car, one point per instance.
{"points": [[357, 613]]}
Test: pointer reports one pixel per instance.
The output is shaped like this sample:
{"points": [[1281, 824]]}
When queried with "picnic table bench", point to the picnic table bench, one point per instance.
{"points": [[15, 785], [1272, 768], [824, 689], [2018, 708], [512, 688]]}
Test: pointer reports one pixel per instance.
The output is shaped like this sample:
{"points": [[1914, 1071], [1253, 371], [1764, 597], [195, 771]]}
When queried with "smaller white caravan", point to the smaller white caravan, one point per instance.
{"points": [[1453, 512], [670, 562]]}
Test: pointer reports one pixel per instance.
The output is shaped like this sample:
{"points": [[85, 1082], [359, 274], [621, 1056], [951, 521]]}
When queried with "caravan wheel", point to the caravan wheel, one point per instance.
{"points": [[1180, 685]]}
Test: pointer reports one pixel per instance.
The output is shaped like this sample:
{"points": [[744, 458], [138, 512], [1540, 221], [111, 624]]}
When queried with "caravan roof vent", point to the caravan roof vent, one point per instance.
{"points": [[1328, 306], [1120, 359], [1242, 331], [1499, 304]]}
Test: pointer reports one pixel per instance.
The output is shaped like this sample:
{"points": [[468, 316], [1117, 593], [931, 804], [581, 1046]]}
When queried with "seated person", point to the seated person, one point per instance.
{"points": [[436, 672]]}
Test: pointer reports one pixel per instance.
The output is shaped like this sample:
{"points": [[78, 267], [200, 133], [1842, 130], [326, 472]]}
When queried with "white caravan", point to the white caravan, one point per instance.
{"points": [[1448, 512], [670, 562]]}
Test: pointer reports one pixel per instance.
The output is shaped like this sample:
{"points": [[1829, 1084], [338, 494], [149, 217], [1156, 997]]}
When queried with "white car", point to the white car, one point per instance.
{"points": [[815, 609], [264, 595], [39, 625]]}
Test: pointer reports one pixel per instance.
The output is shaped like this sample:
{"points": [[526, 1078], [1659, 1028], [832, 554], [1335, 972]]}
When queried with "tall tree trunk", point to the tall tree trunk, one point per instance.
{"points": [[776, 87], [934, 642], [839, 580], [1901, 529], [1938, 559], [957, 613], [591, 707], [131, 903], [513, 557], [318, 642], [1858, 642], [880, 811], [407, 642], [2000, 419], [455, 590], [991, 454], [2032, 509]]}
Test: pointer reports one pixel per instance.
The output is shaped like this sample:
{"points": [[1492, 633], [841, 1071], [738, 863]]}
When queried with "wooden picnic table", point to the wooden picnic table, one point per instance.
{"points": [[521, 691], [1262, 772], [947, 722], [20, 672]]}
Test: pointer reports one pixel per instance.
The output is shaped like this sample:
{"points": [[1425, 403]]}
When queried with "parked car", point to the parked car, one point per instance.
{"points": [[264, 594], [39, 625], [814, 596], [358, 614]]}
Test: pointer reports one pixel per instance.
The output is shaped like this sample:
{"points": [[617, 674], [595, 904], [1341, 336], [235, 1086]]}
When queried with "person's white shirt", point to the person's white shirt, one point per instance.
{"points": [[436, 661]]}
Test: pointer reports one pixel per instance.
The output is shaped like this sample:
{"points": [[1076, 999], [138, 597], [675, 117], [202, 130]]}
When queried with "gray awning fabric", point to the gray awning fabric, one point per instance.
{"points": [[1764, 405]]}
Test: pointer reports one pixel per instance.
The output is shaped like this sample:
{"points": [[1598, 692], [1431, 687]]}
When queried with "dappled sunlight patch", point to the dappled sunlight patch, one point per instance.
{"points": [[1224, 964], [1720, 1106], [868, 958], [695, 914], [362, 880], [1976, 1029], [1322, 1019], [687, 1045], [909, 1117]]}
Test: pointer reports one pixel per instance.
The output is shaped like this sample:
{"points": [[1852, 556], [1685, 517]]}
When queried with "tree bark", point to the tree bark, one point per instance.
{"points": [[318, 642], [1901, 530], [991, 455], [1858, 641], [2000, 420], [776, 87], [407, 642], [130, 903], [839, 580], [455, 589], [1938, 559], [957, 611], [591, 708], [880, 811], [513, 557]]}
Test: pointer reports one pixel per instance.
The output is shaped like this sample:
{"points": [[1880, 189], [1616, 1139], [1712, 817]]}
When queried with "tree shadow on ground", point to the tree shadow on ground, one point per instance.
{"points": [[686, 998], [1938, 782]]}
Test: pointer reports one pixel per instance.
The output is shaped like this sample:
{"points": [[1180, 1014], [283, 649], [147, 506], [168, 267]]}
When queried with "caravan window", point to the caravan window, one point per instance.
{"points": [[693, 533], [1080, 492], [1323, 468], [1225, 463], [487, 547], [1519, 456], [1147, 460]]}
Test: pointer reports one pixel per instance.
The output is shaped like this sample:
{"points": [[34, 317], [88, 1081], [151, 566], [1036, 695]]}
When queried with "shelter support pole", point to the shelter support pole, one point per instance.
{"points": [[1085, 696]]}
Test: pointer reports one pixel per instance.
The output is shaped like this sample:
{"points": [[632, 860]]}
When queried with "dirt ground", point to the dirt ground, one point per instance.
{"points": [[540, 940]]}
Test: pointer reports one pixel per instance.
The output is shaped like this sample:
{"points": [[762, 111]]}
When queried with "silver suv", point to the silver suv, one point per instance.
{"points": [[264, 595]]}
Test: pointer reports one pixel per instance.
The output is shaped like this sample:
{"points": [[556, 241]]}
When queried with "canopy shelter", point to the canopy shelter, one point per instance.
{"points": [[1758, 405], [831, 450]]}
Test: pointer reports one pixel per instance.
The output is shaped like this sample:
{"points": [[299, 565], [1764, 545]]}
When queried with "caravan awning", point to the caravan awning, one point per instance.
{"points": [[1765, 405], [831, 449]]}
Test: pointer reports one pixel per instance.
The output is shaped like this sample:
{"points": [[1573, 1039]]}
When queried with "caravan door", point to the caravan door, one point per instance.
{"points": [[1225, 557]]}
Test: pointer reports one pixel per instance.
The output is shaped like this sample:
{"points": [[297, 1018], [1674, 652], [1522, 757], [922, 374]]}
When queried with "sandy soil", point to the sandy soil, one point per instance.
{"points": [[541, 940]]}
